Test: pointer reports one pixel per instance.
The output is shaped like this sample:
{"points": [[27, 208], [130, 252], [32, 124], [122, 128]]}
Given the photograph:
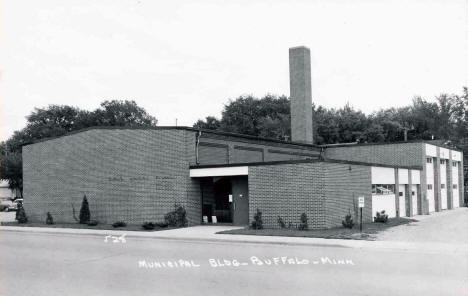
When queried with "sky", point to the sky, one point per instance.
{"points": [[185, 59]]}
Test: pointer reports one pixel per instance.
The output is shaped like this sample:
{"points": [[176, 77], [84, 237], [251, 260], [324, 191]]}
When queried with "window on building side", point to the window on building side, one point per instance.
{"points": [[442, 186], [383, 189], [455, 186], [429, 186], [412, 192], [429, 160], [454, 163], [400, 194], [442, 161]]}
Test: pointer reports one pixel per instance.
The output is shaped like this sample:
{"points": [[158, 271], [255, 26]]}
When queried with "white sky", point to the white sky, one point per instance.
{"points": [[185, 59]]}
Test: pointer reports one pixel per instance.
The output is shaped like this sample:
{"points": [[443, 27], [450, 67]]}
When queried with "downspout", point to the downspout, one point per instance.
{"points": [[197, 145]]}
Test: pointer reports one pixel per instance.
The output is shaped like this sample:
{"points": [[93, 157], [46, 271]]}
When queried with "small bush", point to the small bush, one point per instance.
{"points": [[21, 215], [348, 222], [257, 223], [177, 217], [281, 222], [148, 225], [119, 224], [85, 215], [93, 223], [381, 217], [49, 219], [162, 224], [304, 224]]}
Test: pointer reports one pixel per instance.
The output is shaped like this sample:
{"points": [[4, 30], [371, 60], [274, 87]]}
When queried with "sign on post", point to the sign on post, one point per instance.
{"points": [[361, 205], [361, 201]]}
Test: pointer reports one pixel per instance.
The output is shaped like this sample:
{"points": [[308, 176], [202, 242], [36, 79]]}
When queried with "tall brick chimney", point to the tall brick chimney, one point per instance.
{"points": [[301, 95]]}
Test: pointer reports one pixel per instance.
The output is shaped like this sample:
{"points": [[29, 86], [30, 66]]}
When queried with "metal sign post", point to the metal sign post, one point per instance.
{"points": [[361, 205]]}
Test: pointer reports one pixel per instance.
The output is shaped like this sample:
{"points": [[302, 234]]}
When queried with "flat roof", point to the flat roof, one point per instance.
{"points": [[356, 144], [299, 161], [193, 129]]}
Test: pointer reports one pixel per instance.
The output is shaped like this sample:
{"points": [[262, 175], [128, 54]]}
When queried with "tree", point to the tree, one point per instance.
{"points": [[57, 120], [210, 123], [85, 215], [121, 113]]}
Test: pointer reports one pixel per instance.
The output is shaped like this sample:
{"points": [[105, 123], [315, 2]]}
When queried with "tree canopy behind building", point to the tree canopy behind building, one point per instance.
{"points": [[57, 120]]}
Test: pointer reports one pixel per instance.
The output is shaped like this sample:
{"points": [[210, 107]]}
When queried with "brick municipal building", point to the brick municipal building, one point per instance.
{"points": [[138, 174]]}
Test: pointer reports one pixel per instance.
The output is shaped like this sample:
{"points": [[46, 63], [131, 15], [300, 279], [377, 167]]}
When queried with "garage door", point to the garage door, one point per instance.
{"points": [[414, 198], [430, 197], [402, 201], [443, 196], [456, 196], [384, 202]]}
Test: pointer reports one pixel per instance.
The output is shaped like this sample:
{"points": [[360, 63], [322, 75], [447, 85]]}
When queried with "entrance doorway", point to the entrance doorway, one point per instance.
{"points": [[226, 198]]}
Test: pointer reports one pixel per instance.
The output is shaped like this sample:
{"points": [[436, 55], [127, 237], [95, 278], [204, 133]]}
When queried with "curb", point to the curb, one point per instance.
{"points": [[270, 240]]}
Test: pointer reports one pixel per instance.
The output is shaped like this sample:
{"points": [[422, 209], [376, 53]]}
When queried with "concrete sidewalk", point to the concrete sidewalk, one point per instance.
{"points": [[208, 234]]}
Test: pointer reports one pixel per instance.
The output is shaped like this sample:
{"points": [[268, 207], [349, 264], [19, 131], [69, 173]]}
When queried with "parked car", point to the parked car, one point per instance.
{"points": [[6, 204], [9, 205]]}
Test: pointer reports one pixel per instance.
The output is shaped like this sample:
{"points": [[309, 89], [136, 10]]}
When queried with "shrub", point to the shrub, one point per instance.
{"points": [[93, 222], [85, 215], [162, 224], [281, 222], [303, 225], [21, 215], [148, 225], [119, 224], [348, 222], [381, 217], [257, 223], [49, 219], [177, 217]]}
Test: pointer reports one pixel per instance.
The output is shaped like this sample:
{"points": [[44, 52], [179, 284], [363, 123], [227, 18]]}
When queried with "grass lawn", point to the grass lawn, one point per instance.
{"points": [[85, 226], [369, 230]]}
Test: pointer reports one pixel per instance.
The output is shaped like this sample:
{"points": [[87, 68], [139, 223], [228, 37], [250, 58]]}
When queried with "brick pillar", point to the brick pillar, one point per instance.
{"points": [[419, 197], [461, 183], [301, 94], [448, 167], [409, 199], [437, 196]]}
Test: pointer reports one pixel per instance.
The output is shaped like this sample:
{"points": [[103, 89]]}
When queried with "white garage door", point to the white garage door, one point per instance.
{"points": [[402, 201], [414, 197], [443, 196], [456, 196], [385, 203]]}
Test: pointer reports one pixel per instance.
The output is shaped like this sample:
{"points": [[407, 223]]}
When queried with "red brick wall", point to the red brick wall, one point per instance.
{"points": [[404, 154], [343, 185], [324, 191], [127, 174], [214, 150], [287, 191]]}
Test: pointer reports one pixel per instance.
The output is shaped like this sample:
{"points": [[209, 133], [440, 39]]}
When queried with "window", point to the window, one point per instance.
{"points": [[455, 186], [429, 186], [429, 160], [400, 194], [442, 186], [442, 161], [412, 192], [382, 189], [454, 163]]}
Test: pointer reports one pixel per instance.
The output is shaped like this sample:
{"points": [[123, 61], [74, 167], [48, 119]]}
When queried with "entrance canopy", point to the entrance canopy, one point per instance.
{"points": [[219, 171]]}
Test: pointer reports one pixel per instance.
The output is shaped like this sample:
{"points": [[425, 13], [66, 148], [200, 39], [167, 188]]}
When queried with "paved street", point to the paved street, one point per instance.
{"points": [[448, 226], [67, 264]]}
